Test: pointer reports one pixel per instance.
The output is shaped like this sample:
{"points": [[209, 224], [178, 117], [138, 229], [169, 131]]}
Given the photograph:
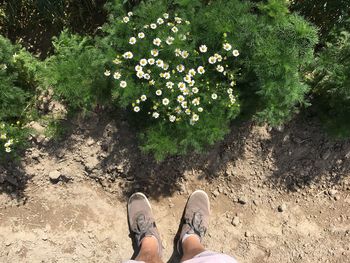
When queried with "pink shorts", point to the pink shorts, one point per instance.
{"points": [[204, 257]]}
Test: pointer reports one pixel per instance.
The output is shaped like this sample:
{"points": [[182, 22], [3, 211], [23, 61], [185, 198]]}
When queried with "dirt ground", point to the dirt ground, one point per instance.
{"points": [[276, 195]]}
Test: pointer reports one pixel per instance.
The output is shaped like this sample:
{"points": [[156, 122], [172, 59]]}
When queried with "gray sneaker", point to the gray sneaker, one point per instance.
{"points": [[141, 219], [196, 216]]}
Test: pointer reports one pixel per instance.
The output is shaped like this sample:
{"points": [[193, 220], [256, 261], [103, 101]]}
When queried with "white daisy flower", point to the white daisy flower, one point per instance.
{"points": [[160, 21], [165, 101], [123, 84], [153, 26], [138, 68], [174, 29], [192, 72], [166, 75], [130, 14], [218, 57], [187, 78], [143, 62], [186, 91], [146, 76], [117, 75], [126, 19], [229, 91], [178, 20], [141, 35], [136, 109], [165, 66], [214, 96], [159, 92], [184, 104], [181, 86], [219, 68], [143, 98], [140, 74], [154, 52], [180, 98], [146, 26], [233, 83], [160, 63], [172, 118], [132, 40], [195, 117], [200, 70], [169, 40], [180, 68], [195, 101], [166, 15], [227, 46], [203, 48], [128, 55], [7, 149], [157, 41], [152, 82], [184, 54], [188, 111], [212, 60], [151, 61], [177, 52], [155, 115], [195, 90], [235, 53], [191, 84], [107, 73], [169, 85], [200, 109]]}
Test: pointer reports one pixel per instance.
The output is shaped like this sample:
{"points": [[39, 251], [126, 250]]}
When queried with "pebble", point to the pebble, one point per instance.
{"points": [[247, 234], [282, 208], [216, 193], [54, 176], [242, 200], [90, 142], [235, 221]]}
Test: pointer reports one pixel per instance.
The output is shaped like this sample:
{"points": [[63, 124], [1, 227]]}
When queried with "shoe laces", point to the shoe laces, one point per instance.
{"points": [[142, 225], [196, 224]]}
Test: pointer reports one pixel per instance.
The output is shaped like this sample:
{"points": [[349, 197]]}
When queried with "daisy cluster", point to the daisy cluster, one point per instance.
{"points": [[177, 81], [5, 141]]}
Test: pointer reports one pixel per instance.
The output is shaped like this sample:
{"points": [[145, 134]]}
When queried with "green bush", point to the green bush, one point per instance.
{"points": [[75, 72], [17, 88], [330, 79], [181, 88], [274, 45]]}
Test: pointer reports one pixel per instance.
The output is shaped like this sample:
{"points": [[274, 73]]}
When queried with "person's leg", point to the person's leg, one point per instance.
{"points": [[191, 247], [195, 224], [149, 251], [144, 230]]}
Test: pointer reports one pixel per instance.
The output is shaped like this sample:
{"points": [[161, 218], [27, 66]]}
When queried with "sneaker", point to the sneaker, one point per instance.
{"points": [[196, 217], [141, 219]]}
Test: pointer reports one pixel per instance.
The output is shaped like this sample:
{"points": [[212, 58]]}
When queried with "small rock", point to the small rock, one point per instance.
{"points": [[282, 208], [54, 176], [90, 142], [337, 198], [242, 200], [215, 193], [8, 243], [247, 234], [332, 192], [235, 221]]}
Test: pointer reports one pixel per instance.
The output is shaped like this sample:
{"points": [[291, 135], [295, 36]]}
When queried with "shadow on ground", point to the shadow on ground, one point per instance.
{"points": [[304, 155]]}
